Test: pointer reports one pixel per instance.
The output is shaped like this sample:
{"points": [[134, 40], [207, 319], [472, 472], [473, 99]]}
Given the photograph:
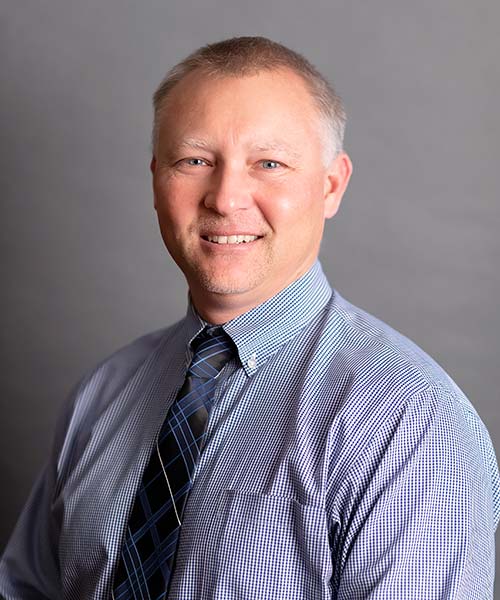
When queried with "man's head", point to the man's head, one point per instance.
{"points": [[244, 56], [241, 176]]}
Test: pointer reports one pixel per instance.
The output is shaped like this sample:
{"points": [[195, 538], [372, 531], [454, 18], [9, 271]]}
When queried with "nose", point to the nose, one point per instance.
{"points": [[230, 190]]}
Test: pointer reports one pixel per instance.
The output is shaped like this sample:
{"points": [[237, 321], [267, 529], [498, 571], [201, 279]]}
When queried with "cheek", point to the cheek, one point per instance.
{"points": [[174, 204], [297, 207], [278, 201]]}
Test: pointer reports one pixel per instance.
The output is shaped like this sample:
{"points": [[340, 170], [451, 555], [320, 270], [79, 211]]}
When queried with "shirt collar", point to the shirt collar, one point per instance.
{"points": [[261, 331]]}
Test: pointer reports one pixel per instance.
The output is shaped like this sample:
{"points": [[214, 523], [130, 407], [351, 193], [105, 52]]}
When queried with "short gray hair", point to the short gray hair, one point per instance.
{"points": [[244, 56]]}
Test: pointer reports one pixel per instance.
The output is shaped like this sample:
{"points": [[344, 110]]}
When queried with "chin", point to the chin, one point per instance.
{"points": [[224, 286], [226, 283]]}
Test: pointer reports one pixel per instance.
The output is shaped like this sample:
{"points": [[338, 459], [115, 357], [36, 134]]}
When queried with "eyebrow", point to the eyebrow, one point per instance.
{"points": [[272, 146], [193, 143], [276, 147]]}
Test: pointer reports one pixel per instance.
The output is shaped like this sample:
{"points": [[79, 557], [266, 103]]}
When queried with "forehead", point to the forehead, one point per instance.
{"points": [[276, 100]]}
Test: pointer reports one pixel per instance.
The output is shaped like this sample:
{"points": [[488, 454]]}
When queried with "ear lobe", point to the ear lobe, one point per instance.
{"points": [[337, 178]]}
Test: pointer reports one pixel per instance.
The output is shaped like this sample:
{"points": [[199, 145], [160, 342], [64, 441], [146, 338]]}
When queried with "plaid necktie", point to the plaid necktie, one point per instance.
{"points": [[148, 551]]}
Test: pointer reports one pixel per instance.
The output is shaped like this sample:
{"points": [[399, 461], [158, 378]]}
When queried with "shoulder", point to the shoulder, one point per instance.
{"points": [[388, 379], [118, 367], [375, 354], [398, 399], [96, 390]]}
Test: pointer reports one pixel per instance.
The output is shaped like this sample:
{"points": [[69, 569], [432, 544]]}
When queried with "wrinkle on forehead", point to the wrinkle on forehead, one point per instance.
{"points": [[191, 143], [270, 112]]}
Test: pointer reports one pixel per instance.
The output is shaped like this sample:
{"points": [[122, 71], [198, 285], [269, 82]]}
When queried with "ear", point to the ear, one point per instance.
{"points": [[336, 180], [152, 167]]}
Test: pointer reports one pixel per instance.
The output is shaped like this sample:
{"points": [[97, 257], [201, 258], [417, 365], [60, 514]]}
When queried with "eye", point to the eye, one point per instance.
{"points": [[270, 164], [195, 162]]}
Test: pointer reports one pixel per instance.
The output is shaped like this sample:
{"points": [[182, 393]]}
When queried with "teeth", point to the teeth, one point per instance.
{"points": [[231, 239]]}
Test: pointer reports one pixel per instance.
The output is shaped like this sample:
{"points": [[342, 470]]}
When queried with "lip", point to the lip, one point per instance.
{"points": [[228, 233], [206, 237], [242, 247]]}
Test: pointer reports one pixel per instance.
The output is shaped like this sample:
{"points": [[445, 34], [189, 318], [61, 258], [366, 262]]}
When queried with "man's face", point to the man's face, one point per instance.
{"points": [[241, 189]]}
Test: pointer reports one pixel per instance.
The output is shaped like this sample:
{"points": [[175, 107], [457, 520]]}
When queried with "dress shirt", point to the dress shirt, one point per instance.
{"points": [[340, 462]]}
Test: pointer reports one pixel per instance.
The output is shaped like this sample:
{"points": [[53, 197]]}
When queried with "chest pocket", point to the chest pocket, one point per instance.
{"points": [[267, 547]]}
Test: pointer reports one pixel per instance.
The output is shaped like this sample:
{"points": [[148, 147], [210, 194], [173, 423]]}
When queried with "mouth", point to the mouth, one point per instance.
{"points": [[230, 239]]}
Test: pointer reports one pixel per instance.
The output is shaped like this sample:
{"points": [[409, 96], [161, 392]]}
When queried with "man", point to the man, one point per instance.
{"points": [[277, 442]]}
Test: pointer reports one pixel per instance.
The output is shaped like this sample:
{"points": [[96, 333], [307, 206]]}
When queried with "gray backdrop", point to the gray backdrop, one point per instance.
{"points": [[84, 270]]}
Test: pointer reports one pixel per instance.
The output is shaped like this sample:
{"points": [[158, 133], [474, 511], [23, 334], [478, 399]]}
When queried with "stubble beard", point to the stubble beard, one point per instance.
{"points": [[211, 276], [215, 279], [224, 282]]}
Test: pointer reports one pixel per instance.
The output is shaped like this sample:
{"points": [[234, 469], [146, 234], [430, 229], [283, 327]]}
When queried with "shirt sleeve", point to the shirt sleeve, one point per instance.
{"points": [[29, 569], [420, 519]]}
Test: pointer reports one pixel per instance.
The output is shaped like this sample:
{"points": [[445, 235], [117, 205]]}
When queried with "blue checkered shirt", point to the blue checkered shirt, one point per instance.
{"points": [[340, 462]]}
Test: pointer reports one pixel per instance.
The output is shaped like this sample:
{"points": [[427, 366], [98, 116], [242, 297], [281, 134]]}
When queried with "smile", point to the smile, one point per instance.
{"points": [[230, 239]]}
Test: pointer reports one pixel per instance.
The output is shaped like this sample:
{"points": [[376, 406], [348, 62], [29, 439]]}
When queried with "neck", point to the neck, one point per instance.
{"points": [[218, 308]]}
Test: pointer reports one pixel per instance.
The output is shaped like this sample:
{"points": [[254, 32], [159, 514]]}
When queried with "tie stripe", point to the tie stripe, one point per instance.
{"points": [[148, 552]]}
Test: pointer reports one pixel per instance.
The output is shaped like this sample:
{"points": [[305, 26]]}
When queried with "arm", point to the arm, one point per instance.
{"points": [[29, 568], [421, 519]]}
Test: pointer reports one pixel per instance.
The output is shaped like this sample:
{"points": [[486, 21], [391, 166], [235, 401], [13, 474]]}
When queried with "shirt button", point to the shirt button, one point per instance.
{"points": [[252, 362]]}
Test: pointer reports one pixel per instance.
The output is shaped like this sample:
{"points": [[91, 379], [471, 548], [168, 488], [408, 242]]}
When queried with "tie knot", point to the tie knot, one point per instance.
{"points": [[212, 348]]}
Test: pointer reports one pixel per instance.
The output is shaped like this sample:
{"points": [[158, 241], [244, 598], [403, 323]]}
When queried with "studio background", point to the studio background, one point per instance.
{"points": [[83, 268]]}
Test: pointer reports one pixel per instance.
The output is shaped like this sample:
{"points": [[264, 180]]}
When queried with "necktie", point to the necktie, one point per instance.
{"points": [[153, 529]]}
